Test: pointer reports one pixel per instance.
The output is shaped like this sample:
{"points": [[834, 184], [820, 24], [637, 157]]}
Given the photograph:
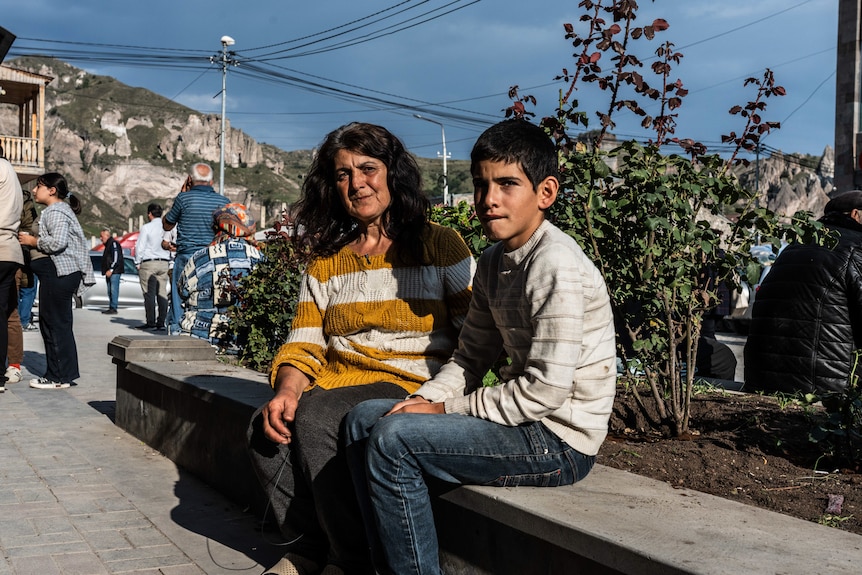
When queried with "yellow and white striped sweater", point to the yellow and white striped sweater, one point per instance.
{"points": [[366, 319]]}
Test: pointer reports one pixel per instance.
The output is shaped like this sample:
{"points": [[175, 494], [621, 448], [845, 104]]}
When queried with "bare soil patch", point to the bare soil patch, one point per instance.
{"points": [[744, 447]]}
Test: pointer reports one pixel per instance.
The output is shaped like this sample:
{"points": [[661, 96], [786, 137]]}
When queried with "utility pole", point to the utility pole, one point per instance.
{"points": [[757, 175], [445, 156], [225, 42], [848, 93]]}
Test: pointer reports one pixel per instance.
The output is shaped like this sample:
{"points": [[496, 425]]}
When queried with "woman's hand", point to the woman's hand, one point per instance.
{"points": [[26, 239], [416, 405], [279, 412]]}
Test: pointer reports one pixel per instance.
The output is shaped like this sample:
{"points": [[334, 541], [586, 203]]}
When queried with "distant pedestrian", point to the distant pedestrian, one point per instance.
{"points": [[30, 281], [169, 243], [191, 213], [153, 262], [112, 268], [62, 276], [11, 256]]}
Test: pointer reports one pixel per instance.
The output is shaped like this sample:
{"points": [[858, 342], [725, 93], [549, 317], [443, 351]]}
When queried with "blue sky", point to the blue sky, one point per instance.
{"points": [[459, 59]]}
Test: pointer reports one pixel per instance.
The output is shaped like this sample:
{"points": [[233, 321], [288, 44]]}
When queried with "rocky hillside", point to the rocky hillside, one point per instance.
{"points": [[792, 182], [123, 147]]}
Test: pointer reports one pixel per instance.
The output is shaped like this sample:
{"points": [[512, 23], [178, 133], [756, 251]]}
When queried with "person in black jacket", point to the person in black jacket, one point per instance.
{"points": [[112, 268], [807, 317]]}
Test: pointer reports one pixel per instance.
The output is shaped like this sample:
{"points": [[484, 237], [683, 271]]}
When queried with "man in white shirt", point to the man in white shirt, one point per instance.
{"points": [[153, 262]]}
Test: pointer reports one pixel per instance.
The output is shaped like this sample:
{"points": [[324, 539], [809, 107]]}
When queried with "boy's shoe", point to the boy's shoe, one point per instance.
{"points": [[110, 311], [13, 374], [44, 383], [31, 327], [2, 388]]}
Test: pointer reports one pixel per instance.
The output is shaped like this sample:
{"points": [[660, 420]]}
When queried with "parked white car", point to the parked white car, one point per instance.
{"points": [[130, 286]]}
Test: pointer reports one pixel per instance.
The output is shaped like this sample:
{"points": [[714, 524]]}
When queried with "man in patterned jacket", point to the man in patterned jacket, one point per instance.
{"points": [[207, 281]]}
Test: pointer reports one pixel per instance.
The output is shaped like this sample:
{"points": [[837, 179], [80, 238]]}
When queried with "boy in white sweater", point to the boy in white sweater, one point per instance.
{"points": [[536, 297]]}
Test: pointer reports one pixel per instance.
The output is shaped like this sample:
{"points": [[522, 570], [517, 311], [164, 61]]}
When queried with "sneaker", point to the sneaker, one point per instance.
{"points": [[43, 383], [145, 326], [31, 327], [110, 311], [13, 374], [2, 388], [293, 564]]}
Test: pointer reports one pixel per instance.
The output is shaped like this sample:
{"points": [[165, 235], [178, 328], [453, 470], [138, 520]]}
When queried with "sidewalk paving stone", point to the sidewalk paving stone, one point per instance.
{"points": [[79, 496]]}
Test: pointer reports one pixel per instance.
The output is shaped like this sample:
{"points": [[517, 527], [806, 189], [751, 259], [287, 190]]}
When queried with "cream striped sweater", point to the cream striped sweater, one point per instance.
{"points": [[546, 305], [365, 319]]}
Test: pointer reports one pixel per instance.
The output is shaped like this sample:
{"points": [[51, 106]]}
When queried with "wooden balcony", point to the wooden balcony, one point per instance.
{"points": [[22, 102]]}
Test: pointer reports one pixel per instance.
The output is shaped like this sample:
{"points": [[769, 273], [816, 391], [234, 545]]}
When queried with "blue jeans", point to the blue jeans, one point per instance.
{"points": [[26, 297], [113, 284], [390, 459], [176, 312]]}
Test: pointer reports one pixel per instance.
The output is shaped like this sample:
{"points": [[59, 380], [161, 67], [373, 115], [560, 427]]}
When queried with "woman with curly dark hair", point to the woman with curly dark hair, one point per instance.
{"points": [[381, 302], [330, 222]]}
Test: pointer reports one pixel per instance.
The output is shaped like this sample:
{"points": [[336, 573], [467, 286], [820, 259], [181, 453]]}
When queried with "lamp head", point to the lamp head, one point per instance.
{"points": [[227, 41]]}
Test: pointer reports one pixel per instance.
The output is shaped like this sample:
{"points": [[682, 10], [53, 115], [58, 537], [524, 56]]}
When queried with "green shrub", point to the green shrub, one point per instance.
{"points": [[839, 434], [462, 218], [267, 301], [650, 215]]}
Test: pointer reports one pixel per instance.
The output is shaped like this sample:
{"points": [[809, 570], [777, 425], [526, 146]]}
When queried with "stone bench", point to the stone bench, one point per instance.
{"points": [[173, 394]]}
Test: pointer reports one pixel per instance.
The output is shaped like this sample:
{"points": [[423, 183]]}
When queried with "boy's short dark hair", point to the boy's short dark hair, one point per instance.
{"points": [[518, 141], [155, 209]]}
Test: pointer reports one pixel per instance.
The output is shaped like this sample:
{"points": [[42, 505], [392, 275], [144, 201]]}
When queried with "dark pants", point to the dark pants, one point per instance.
{"points": [[8, 303], [715, 359], [55, 320], [310, 490]]}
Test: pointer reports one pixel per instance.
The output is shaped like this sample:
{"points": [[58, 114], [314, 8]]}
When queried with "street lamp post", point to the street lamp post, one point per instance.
{"points": [[225, 42], [445, 156]]}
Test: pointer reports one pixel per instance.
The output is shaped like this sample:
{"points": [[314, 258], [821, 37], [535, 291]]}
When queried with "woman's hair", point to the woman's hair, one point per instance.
{"points": [[327, 227], [58, 182]]}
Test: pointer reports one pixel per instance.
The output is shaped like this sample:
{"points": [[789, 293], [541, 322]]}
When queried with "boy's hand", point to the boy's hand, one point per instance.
{"points": [[416, 405]]}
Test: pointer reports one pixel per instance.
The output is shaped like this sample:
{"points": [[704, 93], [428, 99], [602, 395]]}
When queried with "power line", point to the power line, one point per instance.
{"points": [[405, 12], [368, 37], [333, 29]]}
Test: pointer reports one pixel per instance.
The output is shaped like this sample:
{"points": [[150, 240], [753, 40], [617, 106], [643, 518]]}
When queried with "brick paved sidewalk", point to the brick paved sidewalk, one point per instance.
{"points": [[79, 496]]}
